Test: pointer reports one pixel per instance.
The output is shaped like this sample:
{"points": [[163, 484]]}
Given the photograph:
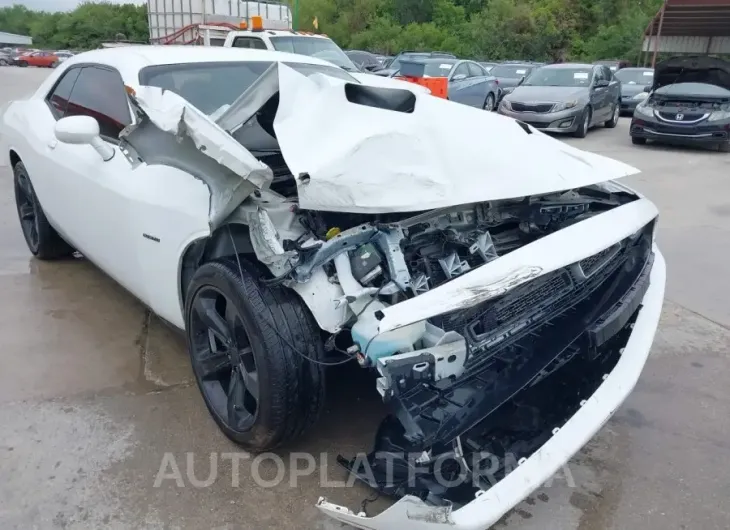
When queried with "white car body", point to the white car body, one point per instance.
{"points": [[136, 221]]}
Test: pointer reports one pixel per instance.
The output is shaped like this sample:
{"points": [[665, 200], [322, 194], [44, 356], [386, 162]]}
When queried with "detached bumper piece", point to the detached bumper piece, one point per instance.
{"points": [[535, 355]]}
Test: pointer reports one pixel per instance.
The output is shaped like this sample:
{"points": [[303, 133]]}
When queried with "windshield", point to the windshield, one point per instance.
{"points": [[510, 71], [547, 76], [319, 47], [209, 86], [629, 76]]}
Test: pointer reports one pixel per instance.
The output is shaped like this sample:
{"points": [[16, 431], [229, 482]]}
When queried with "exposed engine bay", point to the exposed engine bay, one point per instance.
{"points": [[451, 378]]}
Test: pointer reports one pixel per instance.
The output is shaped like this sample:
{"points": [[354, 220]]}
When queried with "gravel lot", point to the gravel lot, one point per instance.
{"points": [[94, 392]]}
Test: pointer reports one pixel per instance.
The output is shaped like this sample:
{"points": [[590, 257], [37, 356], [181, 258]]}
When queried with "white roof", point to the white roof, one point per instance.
{"points": [[129, 60]]}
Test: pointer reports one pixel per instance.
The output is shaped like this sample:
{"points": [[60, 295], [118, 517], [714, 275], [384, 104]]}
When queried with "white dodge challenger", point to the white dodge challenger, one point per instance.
{"points": [[502, 287]]}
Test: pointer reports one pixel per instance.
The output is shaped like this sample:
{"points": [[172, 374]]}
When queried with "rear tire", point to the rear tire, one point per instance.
{"points": [[266, 394], [638, 141], [42, 239]]}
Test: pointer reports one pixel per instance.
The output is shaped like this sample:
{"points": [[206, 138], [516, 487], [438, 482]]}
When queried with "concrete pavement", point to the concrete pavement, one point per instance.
{"points": [[98, 410]]}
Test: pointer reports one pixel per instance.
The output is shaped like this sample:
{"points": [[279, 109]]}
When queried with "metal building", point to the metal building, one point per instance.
{"points": [[688, 26], [10, 39]]}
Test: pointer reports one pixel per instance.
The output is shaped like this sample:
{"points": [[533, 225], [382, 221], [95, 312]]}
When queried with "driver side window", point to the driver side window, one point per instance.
{"points": [[93, 91]]}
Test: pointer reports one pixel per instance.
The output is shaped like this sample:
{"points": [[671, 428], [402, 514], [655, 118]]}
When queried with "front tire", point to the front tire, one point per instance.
{"points": [[610, 124], [42, 239], [242, 335], [489, 102], [585, 122]]}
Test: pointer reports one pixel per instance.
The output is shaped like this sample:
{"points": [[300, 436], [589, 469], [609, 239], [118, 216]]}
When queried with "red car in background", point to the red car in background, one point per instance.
{"points": [[42, 59]]}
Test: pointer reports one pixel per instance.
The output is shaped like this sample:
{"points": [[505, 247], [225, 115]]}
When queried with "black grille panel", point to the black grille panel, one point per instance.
{"points": [[540, 108], [593, 263], [490, 326]]}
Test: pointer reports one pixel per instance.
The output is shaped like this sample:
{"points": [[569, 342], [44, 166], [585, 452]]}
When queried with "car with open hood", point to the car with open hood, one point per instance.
{"points": [[566, 98], [688, 104], [634, 82], [287, 217]]}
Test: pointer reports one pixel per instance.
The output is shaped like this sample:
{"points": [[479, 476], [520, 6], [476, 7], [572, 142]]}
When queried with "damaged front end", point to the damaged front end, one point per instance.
{"points": [[506, 312], [489, 325]]}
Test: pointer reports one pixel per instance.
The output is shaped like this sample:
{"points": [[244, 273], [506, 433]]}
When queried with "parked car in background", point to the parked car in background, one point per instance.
{"points": [[5, 59], [63, 55], [633, 82], [394, 66], [688, 103], [614, 64], [40, 59], [384, 60], [510, 75], [487, 65], [365, 61], [469, 83], [566, 98]]}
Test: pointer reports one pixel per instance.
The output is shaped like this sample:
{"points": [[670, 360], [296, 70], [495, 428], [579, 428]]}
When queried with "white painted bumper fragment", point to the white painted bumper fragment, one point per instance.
{"points": [[410, 513]]}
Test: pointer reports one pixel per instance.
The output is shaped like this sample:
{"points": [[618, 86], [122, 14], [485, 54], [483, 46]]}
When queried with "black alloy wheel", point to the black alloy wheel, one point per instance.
{"points": [[255, 350], [42, 239], [223, 359], [27, 210]]}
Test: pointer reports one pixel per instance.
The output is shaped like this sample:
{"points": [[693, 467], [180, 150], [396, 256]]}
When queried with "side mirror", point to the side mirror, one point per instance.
{"points": [[83, 130], [459, 77], [647, 88]]}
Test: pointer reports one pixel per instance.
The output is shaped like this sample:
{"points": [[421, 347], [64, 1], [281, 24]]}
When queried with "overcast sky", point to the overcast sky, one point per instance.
{"points": [[58, 5]]}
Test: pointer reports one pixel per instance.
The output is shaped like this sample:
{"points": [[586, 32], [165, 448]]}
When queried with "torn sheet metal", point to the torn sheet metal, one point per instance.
{"points": [[366, 159], [174, 115], [554, 251]]}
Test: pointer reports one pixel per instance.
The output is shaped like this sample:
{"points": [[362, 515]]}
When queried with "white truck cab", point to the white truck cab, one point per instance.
{"points": [[305, 43], [299, 42]]}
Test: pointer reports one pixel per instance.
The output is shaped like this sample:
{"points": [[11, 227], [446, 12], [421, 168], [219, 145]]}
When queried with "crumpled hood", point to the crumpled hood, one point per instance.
{"points": [[358, 158], [547, 93], [693, 69]]}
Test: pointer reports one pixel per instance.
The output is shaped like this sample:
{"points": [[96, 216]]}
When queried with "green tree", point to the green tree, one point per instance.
{"points": [[83, 28]]}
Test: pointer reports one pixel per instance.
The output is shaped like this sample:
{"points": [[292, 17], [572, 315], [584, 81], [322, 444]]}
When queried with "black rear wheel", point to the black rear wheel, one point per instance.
{"points": [[247, 344], [42, 239]]}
